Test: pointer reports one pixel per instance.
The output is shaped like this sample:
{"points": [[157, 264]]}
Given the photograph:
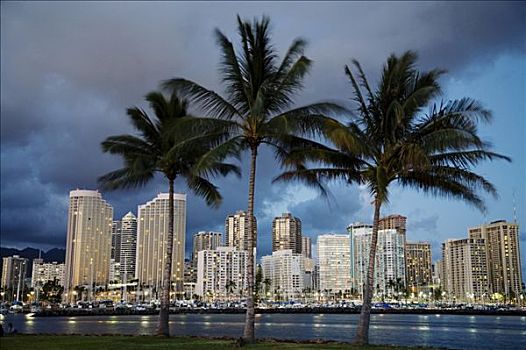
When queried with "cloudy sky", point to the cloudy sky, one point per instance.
{"points": [[69, 71]]}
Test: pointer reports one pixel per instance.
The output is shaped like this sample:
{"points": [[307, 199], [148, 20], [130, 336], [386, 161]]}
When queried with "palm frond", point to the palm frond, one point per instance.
{"points": [[307, 120], [294, 52], [210, 102], [205, 189], [127, 144]]}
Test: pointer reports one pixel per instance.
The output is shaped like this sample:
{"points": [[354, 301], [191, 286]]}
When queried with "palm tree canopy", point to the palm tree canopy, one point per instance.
{"points": [[395, 136], [259, 92], [170, 143]]}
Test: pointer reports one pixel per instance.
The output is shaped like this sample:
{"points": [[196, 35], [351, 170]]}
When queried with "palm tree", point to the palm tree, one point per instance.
{"points": [[230, 286], [267, 282], [256, 110], [391, 285], [170, 143], [393, 140]]}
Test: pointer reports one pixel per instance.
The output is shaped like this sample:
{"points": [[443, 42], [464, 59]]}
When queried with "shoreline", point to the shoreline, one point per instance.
{"points": [[106, 312], [67, 341]]}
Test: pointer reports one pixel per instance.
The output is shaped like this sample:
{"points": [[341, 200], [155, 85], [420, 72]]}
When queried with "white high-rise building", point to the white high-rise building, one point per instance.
{"points": [[221, 273], [334, 257], [286, 272], [389, 261], [44, 272], [152, 231], [88, 246], [128, 250], [236, 230], [203, 240]]}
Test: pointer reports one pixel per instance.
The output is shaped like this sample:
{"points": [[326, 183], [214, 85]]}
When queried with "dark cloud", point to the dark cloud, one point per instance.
{"points": [[69, 70]]}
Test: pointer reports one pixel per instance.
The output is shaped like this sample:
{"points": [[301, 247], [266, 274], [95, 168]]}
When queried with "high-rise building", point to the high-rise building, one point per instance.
{"points": [[395, 222], [306, 246], [419, 274], [389, 268], [116, 234], [14, 271], [203, 240], [190, 277], [286, 272], [286, 233], [88, 246], [503, 256], [115, 255], [236, 230], [152, 232], [221, 273], [206, 240], [465, 269], [438, 273], [45, 272], [310, 277], [115, 271], [128, 250], [334, 255]]}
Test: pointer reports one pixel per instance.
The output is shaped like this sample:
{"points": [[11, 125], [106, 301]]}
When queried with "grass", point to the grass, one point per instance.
{"points": [[58, 342]]}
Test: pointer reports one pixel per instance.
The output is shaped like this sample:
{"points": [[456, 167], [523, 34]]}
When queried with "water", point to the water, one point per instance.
{"points": [[451, 331]]}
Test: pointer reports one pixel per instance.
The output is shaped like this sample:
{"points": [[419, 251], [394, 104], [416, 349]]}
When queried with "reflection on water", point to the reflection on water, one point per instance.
{"points": [[452, 331]]}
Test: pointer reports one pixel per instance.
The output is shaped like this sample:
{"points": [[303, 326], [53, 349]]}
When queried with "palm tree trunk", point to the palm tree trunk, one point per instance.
{"points": [[362, 333], [163, 328], [249, 332]]}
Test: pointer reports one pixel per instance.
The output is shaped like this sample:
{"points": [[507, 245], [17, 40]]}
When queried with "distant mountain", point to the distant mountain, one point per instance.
{"points": [[55, 254]]}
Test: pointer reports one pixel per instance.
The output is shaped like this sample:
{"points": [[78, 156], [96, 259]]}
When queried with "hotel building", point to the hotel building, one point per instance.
{"points": [[465, 269], [503, 256], [152, 232], [418, 269], [88, 245]]}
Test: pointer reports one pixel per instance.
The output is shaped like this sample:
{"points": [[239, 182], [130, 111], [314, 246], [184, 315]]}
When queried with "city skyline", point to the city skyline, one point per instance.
{"points": [[488, 70], [387, 221], [483, 265]]}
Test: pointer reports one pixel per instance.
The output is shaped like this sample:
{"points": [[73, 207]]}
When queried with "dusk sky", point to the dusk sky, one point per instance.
{"points": [[69, 71]]}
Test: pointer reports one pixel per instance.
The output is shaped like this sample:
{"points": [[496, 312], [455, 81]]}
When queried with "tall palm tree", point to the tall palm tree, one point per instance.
{"points": [[392, 139], [230, 286], [256, 110], [169, 143]]}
